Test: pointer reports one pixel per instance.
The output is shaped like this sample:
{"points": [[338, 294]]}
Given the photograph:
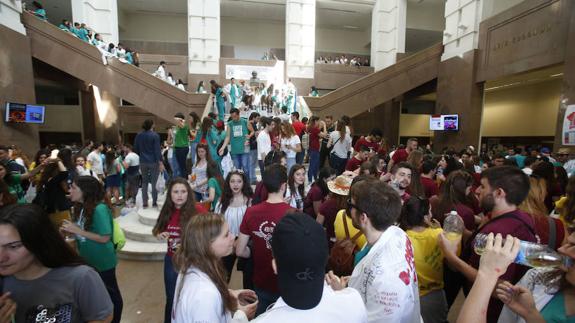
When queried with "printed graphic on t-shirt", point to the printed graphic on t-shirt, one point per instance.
{"points": [[174, 238], [405, 275], [42, 314], [265, 231], [571, 118], [237, 131]]}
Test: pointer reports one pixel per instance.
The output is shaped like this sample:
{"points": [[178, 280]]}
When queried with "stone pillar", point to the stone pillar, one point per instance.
{"points": [[388, 21], [300, 38], [204, 37], [461, 32], [100, 15], [10, 11], [88, 115], [389, 114], [458, 93], [16, 83], [568, 89]]}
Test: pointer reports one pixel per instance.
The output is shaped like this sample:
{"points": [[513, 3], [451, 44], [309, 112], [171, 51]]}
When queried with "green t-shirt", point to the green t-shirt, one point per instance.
{"points": [[15, 187], [238, 132], [181, 136], [213, 183], [101, 256], [554, 311]]}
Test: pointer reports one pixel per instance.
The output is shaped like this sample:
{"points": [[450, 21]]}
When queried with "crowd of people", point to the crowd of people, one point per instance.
{"points": [[343, 60], [364, 239]]}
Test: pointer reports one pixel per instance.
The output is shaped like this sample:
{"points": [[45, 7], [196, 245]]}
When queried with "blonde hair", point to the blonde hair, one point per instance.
{"points": [[287, 129], [196, 251], [534, 202]]}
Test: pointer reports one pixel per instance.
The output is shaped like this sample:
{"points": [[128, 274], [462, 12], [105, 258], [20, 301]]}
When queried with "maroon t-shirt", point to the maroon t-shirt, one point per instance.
{"points": [[175, 231], [399, 156], [369, 144], [429, 187], [314, 138], [517, 224], [298, 127], [329, 210], [353, 164], [259, 223], [313, 195]]}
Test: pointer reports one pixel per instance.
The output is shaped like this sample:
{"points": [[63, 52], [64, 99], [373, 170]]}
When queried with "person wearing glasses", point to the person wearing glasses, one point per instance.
{"points": [[385, 277]]}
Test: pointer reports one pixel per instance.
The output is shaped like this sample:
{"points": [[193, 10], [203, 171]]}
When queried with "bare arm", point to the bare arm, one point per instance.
{"points": [[226, 141], [242, 249], [71, 227]]}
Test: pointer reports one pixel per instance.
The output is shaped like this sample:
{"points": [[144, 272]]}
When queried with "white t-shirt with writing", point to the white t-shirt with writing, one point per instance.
{"points": [[292, 141], [264, 143]]}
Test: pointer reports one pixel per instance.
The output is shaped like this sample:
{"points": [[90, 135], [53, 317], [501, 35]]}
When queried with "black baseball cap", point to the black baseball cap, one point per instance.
{"points": [[299, 247], [179, 115]]}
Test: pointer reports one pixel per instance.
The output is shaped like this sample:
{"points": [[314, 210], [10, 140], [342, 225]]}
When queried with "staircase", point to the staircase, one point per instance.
{"points": [[380, 87], [71, 55]]}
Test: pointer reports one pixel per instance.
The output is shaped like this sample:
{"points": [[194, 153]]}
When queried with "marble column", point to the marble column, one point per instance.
{"points": [[99, 15], [10, 11], [204, 37], [300, 38], [388, 23], [461, 34]]}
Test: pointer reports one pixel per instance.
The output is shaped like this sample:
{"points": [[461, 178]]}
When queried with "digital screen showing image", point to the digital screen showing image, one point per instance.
{"points": [[15, 112], [34, 114], [450, 122]]}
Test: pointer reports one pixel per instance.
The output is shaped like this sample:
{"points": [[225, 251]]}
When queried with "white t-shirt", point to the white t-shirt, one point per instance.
{"points": [[264, 143], [200, 301], [294, 200], [386, 279], [343, 306], [96, 162], [340, 146], [293, 141], [132, 159]]}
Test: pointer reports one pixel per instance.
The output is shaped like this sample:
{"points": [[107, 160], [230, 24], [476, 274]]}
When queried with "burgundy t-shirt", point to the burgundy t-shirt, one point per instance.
{"points": [[353, 164], [313, 195], [399, 156], [259, 223], [516, 224], [369, 144], [329, 210], [429, 187], [314, 138], [298, 127], [175, 231]]}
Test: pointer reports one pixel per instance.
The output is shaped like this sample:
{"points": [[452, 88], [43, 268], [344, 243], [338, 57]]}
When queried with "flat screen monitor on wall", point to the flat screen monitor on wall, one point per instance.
{"points": [[445, 122], [24, 113]]}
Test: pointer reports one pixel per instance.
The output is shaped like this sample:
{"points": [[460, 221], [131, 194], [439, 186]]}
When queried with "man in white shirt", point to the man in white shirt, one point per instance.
{"points": [[264, 141], [132, 165], [95, 160], [300, 255], [385, 277], [161, 71]]}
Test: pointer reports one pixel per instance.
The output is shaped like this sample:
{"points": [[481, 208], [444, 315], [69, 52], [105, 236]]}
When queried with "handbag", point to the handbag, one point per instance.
{"points": [[118, 237], [342, 253]]}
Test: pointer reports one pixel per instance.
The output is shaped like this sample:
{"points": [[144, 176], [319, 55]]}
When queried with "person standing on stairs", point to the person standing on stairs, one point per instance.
{"points": [[147, 146], [176, 212], [220, 99], [181, 144]]}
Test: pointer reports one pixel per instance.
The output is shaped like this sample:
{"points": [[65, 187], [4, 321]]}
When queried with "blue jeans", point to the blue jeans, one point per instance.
{"points": [[299, 157], [242, 161], [290, 163], [265, 299], [111, 283], [150, 173], [193, 146], [313, 170], [174, 165], [253, 163], [170, 280], [181, 154]]}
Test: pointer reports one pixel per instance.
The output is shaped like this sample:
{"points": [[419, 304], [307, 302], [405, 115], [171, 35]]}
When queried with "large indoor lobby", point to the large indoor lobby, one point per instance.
{"points": [[287, 161]]}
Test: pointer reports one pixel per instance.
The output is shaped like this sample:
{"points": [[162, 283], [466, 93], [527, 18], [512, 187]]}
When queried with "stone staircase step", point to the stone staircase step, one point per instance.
{"points": [[143, 251], [148, 216], [136, 230]]}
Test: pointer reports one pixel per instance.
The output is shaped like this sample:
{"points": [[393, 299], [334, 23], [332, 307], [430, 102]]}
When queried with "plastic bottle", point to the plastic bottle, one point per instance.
{"points": [[530, 254], [453, 226]]}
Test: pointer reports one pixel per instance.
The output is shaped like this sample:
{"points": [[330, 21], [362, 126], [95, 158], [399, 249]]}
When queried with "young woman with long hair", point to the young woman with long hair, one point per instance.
{"points": [[235, 199], [290, 143], [113, 178], [318, 191], [93, 229], [295, 193], [415, 158], [177, 211], [337, 200], [453, 195], [41, 155], [199, 176], [195, 123], [46, 279], [316, 129], [51, 191], [340, 144], [5, 197], [215, 185], [202, 291]]}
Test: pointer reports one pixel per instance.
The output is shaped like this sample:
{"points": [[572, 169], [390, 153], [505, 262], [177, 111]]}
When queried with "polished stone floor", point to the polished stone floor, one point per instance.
{"points": [[142, 286]]}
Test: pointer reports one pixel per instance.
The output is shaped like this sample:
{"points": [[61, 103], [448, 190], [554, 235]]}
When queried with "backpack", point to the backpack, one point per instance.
{"points": [[342, 253]]}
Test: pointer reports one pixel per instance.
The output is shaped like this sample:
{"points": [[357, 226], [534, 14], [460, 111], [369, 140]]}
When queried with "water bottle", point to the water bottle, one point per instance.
{"points": [[530, 254], [453, 226]]}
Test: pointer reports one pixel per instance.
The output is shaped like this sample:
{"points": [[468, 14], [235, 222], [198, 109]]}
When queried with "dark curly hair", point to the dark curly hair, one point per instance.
{"points": [[227, 194]]}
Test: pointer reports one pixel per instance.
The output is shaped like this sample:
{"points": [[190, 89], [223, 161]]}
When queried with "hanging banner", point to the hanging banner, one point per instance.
{"points": [[569, 126]]}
